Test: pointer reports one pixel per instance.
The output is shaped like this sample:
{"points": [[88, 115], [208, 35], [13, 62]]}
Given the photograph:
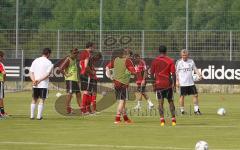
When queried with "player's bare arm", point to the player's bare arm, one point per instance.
{"points": [[32, 77], [63, 66]]}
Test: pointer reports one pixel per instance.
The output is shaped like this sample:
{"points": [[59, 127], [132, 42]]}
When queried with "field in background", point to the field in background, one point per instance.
{"points": [[99, 132]]}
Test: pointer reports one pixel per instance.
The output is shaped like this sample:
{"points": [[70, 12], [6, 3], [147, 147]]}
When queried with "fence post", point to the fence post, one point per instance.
{"points": [[186, 24], [58, 44], [143, 43], [17, 5], [100, 27], [22, 70], [230, 53]]}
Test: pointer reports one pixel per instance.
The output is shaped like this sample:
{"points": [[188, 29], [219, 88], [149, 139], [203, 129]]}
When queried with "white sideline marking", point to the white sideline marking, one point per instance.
{"points": [[106, 146], [96, 145]]}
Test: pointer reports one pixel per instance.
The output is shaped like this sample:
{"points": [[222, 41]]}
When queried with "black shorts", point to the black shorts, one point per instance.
{"points": [[188, 90], [88, 84], [121, 93], [40, 93], [72, 87], [1, 90], [164, 93], [141, 89]]}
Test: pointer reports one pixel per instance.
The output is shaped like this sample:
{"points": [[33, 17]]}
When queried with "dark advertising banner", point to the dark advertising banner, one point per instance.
{"points": [[13, 69], [219, 72], [214, 72]]}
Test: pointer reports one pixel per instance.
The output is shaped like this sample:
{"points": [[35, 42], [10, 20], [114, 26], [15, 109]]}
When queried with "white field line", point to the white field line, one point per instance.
{"points": [[95, 145], [102, 146]]}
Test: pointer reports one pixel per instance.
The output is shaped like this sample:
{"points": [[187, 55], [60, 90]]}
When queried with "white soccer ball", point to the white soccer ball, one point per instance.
{"points": [[201, 145], [58, 94], [221, 111], [196, 77]]}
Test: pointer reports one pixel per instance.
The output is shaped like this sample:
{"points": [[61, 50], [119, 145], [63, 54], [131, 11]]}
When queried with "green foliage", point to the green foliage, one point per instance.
{"points": [[121, 14]]}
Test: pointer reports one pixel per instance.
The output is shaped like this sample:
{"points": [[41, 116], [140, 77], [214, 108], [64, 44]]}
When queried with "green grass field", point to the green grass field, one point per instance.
{"points": [[98, 132]]}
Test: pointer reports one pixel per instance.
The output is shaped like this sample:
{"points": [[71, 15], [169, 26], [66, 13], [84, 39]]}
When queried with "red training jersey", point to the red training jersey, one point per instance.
{"points": [[162, 67], [140, 70], [85, 54], [2, 68], [110, 64]]}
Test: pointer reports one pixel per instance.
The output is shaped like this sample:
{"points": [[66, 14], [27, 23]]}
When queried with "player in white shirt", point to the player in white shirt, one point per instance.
{"points": [[40, 71], [184, 73]]}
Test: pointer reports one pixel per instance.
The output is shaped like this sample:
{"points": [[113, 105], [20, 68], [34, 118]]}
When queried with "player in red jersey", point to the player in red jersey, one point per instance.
{"points": [[141, 75], [86, 77], [163, 69], [2, 80], [93, 91], [123, 68]]}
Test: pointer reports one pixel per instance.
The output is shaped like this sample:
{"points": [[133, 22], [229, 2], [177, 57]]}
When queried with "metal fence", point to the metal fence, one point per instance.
{"points": [[203, 45], [209, 29]]}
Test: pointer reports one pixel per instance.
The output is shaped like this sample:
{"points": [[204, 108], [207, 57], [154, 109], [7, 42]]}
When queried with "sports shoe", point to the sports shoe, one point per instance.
{"points": [[32, 118], [40, 118], [117, 122], [69, 110], [128, 121], [197, 112], [86, 114], [5, 115], [174, 123], [162, 122]]}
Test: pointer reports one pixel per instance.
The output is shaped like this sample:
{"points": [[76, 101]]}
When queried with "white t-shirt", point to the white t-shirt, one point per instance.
{"points": [[41, 67], [184, 70]]}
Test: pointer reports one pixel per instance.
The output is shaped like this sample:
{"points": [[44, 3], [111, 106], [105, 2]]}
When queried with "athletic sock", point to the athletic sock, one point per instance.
{"points": [[69, 109], [88, 103], [196, 108], [125, 117], [40, 110], [93, 102], [174, 119], [84, 103], [139, 103], [32, 110], [162, 120], [118, 118], [149, 102], [181, 109], [2, 110]]}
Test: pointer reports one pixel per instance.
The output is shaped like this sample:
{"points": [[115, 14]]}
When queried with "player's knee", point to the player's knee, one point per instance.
{"points": [[85, 92], [69, 94]]}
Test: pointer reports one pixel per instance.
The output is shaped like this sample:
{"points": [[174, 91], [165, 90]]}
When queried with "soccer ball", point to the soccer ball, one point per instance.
{"points": [[221, 111], [195, 77], [58, 94], [201, 145]]}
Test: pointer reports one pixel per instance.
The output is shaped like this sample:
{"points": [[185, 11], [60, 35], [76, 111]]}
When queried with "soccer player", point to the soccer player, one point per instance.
{"points": [[184, 71], [87, 78], [40, 71], [123, 68], [141, 75], [2, 79], [70, 71], [163, 69], [93, 91]]}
